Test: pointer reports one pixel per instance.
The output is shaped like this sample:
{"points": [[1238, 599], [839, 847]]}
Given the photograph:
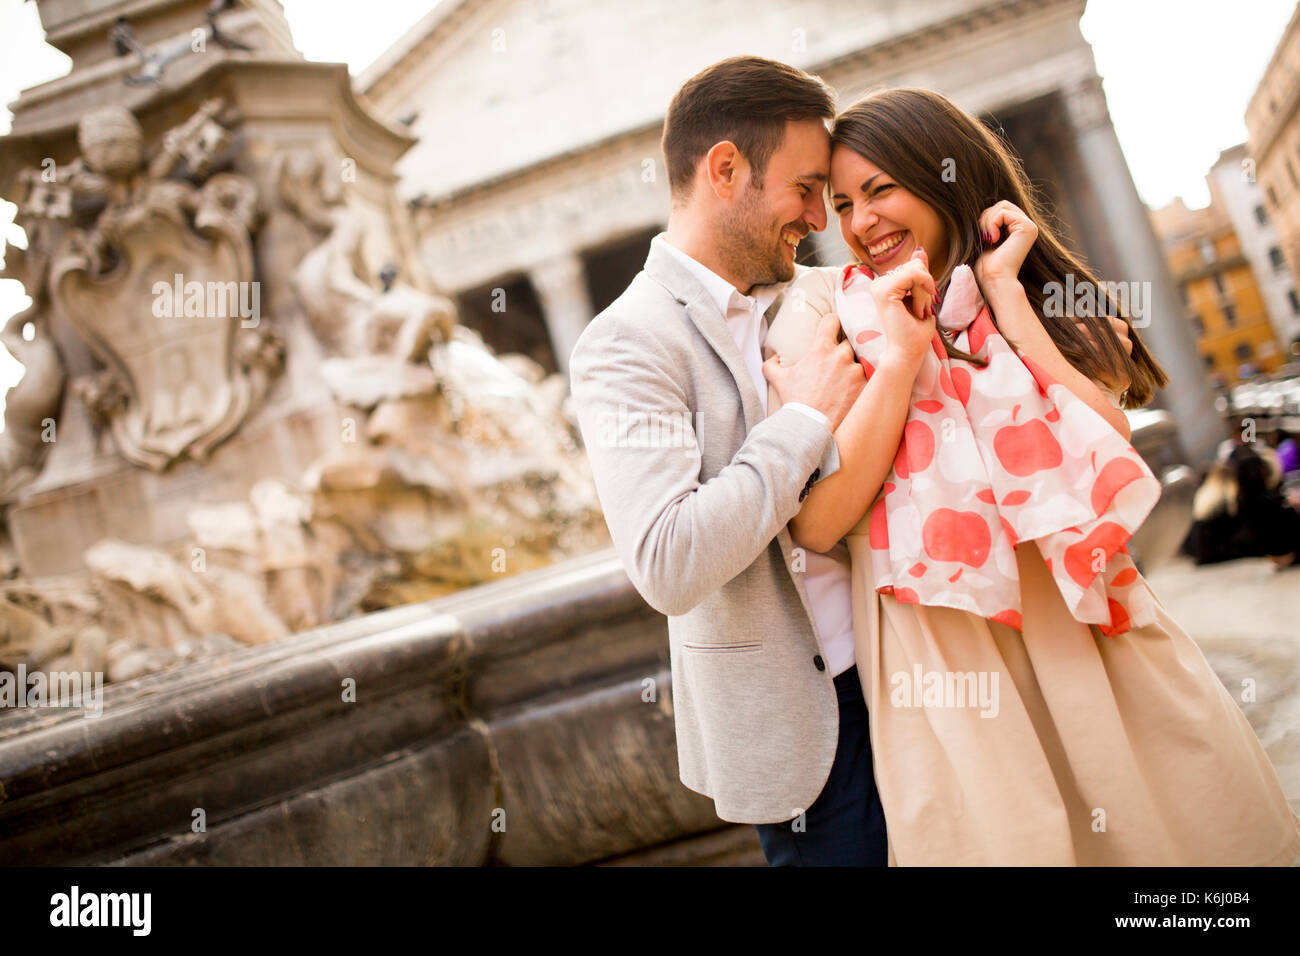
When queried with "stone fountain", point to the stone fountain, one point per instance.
{"points": [[245, 411]]}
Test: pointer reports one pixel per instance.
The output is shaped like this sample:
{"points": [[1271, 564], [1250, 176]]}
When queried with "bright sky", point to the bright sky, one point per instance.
{"points": [[1177, 73]]}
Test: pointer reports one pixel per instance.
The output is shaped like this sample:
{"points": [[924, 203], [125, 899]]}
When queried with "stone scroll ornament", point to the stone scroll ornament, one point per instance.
{"points": [[160, 286], [993, 456]]}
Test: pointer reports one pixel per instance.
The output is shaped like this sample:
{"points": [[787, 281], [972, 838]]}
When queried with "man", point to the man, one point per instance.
{"points": [[697, 485]]}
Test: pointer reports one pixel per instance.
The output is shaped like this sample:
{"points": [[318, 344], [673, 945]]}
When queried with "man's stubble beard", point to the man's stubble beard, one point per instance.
{"points": [[747, 248]]}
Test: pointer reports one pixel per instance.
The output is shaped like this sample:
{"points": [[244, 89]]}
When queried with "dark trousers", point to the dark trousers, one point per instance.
{"points": [[845, 826]]}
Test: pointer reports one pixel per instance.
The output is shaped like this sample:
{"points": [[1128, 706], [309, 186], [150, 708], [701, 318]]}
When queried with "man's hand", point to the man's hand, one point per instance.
{"points": [[827, 378]]}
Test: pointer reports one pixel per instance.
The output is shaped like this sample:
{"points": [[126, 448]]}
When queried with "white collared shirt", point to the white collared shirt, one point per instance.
{"points": [[826, 579]]}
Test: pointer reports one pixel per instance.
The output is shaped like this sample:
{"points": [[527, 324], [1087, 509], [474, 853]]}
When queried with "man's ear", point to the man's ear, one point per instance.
{"points": [[725, 169]]}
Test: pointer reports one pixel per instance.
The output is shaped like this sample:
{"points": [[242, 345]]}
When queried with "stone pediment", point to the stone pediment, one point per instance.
{"points": [[521, 81]]}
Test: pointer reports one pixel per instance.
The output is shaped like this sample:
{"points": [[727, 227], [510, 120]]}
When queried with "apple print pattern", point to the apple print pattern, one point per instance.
{"points": [[993, 456]]}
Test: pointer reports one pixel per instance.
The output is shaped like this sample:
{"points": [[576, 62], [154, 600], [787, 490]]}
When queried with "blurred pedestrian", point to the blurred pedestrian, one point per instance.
{"points": [[1240, 512]]}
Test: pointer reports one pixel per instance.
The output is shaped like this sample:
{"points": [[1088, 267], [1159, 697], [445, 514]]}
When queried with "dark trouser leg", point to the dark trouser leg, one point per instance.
{"points": [[845, 826]]}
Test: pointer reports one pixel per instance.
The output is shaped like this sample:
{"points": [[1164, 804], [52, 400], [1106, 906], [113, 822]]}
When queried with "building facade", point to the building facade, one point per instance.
{"points": [[1225, 308], [537, 183], [1273, 145], [1238, 194]]}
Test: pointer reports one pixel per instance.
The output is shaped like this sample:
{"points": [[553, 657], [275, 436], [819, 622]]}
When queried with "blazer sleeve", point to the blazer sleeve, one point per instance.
{"points": [[679, 539]]}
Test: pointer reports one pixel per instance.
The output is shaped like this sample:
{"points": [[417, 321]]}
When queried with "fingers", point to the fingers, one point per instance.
{"points": [[772, 368], [828, 328], [923, 304], [911, 275], [1003, 214], [911, 279]]}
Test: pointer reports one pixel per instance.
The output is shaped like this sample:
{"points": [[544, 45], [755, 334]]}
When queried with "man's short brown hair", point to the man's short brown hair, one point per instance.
{"points": [[746, 100]]}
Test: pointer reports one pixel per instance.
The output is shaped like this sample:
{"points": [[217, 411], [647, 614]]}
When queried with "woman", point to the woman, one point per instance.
{"points": [[1101, 750]]}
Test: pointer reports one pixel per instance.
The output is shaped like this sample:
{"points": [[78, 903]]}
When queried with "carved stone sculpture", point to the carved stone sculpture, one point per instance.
{"points": [[155, 274], [350, 315]]}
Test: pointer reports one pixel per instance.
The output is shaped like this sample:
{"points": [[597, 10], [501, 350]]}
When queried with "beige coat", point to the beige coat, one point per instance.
{"points": [[1061, 746]]}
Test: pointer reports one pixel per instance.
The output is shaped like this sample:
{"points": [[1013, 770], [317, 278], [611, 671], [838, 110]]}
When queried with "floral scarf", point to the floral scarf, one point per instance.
{"points": [[994, 456]]}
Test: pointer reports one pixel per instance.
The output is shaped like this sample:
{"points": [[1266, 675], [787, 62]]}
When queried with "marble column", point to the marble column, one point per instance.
{"points": [[561, 287], [1188, 397]]}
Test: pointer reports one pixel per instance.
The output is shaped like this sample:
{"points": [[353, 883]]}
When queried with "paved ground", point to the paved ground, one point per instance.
{"points": [[1246, 618]]}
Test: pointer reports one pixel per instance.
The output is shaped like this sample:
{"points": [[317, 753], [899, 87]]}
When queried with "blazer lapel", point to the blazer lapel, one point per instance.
{"points": [[703, 311]]}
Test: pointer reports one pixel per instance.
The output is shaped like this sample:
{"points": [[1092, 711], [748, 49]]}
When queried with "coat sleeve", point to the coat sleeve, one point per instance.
{"points": [[803, 304], [679, 539]]}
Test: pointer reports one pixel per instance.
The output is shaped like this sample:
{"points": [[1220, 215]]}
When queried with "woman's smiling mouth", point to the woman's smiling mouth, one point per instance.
{"points": [[882, 250]]}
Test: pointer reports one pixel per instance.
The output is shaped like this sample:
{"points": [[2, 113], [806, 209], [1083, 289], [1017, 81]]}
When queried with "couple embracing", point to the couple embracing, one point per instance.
{"points": [[904, 627]]}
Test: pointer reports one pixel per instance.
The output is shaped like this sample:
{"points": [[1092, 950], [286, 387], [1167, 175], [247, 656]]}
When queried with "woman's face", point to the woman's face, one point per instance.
{"points": [[881, 221]]}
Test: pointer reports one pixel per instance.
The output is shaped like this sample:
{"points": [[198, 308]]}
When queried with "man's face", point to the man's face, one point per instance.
{"points": [[764, 222]]}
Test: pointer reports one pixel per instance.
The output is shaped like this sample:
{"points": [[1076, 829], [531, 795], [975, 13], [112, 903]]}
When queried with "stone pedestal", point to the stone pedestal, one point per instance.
{"points": [[87, 489]]}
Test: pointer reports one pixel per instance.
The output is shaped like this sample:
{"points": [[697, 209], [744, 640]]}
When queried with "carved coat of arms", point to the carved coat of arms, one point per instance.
{"points": [[157, 278]]}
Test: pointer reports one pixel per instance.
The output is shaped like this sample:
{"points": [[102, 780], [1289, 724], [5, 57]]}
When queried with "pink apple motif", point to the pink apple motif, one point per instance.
{"points": [[878, 528], [918, 439], [951, 535], [1010, 618], [1117, 473], [1119, 619], [1107, 536], [1025, 449], [1125, 578], [961, 382]]}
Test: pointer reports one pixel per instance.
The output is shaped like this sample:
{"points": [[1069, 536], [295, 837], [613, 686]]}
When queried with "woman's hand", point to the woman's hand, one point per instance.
{"points": [[1001, 263], [905, 300]]}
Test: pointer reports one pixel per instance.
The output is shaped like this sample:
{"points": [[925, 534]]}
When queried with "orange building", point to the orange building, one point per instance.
{"points": [[1223, 302]]}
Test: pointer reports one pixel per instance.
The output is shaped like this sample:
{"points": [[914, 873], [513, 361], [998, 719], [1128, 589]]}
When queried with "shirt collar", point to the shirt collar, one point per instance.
{"points": [[720, 290]]}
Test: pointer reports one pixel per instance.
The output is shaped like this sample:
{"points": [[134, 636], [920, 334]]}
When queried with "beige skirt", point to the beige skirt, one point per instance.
{"points": [[1057, 746]]}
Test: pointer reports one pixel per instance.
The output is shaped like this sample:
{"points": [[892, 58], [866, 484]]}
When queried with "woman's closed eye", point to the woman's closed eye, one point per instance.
{"points": [[844, 206]]}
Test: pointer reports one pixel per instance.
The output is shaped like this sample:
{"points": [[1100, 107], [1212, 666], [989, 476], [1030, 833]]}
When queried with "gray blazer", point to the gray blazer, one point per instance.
{"points": [[697, 487]]}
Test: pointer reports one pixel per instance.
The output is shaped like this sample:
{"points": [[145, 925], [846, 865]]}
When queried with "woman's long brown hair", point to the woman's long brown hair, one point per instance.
{"points": [[914, 135]]}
